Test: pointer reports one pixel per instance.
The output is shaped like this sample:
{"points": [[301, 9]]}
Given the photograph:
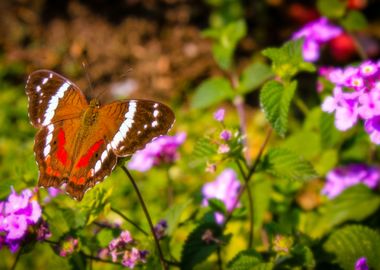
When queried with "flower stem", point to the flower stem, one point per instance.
{"points": [[169, 188], [129, 220], [363, 55], [161, 255], [17, 258], [94, 258]]}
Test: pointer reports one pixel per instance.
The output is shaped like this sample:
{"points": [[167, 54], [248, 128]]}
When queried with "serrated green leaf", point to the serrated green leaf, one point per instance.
{"points": [[245, 260], [253, 76], [173, 215], [331, 8], [329, 133], [203, 150], [212, 91], [288, 60], [275, 100], [304, 143], [195, 249], [74, 218], [95, 203], [354, 21], [217, 205], [285, 164], [354, 204], [351, 243]]}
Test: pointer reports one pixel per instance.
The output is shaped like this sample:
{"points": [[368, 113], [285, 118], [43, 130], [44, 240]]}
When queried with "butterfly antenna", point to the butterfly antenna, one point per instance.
{"points": [[84, 64]]}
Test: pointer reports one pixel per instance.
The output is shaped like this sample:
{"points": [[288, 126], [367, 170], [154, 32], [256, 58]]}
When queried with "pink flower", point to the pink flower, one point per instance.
{"points": [[16, 215], [361, 264], [315, 34], [163, 150], [225, 188], [343, 177], [219, 115]]}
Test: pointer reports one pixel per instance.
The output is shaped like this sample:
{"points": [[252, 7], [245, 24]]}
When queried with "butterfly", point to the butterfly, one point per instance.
{"points": [[78, 142]]}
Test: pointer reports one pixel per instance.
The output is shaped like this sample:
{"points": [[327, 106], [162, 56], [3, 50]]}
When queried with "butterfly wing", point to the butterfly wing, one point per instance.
{"points": [[131, 124], [52, 98], [121, 128]]}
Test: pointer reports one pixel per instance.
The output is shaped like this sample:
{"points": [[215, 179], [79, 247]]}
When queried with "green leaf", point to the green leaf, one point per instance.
{"points": [[352, 242], [285, 164], [245, 260], [173, 215], [354, 21], [253, 76], [217, 205], [304, 143], [203, 150], [195, 249], [331, 8], [287, 61], [226, 39], [329, 134], [95, 203], [275, 100], [354, 204], [212, 91], [261, 190]]}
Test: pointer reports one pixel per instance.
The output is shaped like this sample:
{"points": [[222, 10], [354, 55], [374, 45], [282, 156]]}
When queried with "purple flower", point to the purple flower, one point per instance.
{"points": [[130, 258], [223, 148], [315, 34], [343, 177], [226, 135], [226, 188], [356, 96], [361, 264], [160, 228], [68, 246], [16, 215], [122, 245], [219, 115], [161, 151]]}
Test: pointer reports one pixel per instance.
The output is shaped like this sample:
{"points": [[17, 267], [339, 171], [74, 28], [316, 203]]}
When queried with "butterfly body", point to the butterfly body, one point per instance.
{"points": [[78, 143]]}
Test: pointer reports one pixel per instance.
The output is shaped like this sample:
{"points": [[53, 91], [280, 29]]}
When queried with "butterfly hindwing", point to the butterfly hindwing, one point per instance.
{"points": [[52, 98], [135, 123]]}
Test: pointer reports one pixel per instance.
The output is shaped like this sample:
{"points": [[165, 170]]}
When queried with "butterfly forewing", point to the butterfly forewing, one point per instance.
{"points": [[136, 123], [52, 98]]}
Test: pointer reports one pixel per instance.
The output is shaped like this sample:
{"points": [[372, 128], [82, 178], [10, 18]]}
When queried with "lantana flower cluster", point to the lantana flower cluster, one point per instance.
{"points": [[163, 150], [225, 188], [343, 177], [356, 96], [121, 248], [315, 34], [17, 214]]}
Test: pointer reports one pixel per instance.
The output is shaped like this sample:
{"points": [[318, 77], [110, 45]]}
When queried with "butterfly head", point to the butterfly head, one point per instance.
{"points": [[94, 103]]}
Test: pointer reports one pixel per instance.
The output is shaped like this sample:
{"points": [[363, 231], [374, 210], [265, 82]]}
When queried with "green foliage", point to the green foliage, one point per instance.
{"points": [[226, 38], [287, 61], [253, 76], [285, 164], [331, 8], [173, 215], [354, 204], [245, 260], [275, 100], [353, 242], [217, 205], [201, 243], [354, 21], [212, 91], [95, 203]]}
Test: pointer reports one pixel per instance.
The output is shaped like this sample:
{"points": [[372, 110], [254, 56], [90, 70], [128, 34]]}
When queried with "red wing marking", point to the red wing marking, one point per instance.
{"points": [[61, 152], [84, 160]]}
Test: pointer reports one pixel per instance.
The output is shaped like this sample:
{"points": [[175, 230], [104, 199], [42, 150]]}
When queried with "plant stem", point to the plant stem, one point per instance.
{"points": [[87, 256], [220, 265], [17, 258], [129, 220], [169, 188], [363, 55], [161, 255], [301, 105], [250, 173]]}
